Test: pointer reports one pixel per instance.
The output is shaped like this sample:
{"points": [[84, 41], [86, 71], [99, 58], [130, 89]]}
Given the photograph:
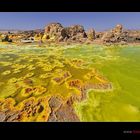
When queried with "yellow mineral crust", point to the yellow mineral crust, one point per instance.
{"points": [[16, 71], [18, 66], [76, 83], [29, 75], [31, 109], [77, 63], [7, 104], [90, 75], [61, 77], [46, 75], [1, 83], [28, 93], [95, 74], [6, 72], [5, 63], [44, 66], [31, 67], [101, 79], [34, 109], [13, 80], [35, 91], [44, 111], [58, 64], [38, 90]]}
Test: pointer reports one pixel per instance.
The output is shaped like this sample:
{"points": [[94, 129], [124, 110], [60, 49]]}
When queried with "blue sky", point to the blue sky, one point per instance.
{"points": [[97, 20]]}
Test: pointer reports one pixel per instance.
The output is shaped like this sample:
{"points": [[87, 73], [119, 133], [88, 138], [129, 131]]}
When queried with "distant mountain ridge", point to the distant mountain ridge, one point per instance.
{"points": [[19, 30]]}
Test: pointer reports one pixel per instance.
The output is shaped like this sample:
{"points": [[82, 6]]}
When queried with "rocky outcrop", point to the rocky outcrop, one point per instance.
{"points": [[62, 111], [131, 36], [55, 31], [118, 29], [91, 34], [119, 35], [113, 35], [99, 35], [6, 39], [75, 32]]}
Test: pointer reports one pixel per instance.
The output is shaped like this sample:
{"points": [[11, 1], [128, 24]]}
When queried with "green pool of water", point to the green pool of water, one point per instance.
{"points": [[122, 67]]}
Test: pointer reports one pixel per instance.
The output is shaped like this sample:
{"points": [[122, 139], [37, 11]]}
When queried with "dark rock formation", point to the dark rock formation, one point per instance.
{"points": [[6, 39], [75, 32], [99, 35], [62, 111], [66, 113], [131, 36], [2, 116], [9, 116], [55, 103]]}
